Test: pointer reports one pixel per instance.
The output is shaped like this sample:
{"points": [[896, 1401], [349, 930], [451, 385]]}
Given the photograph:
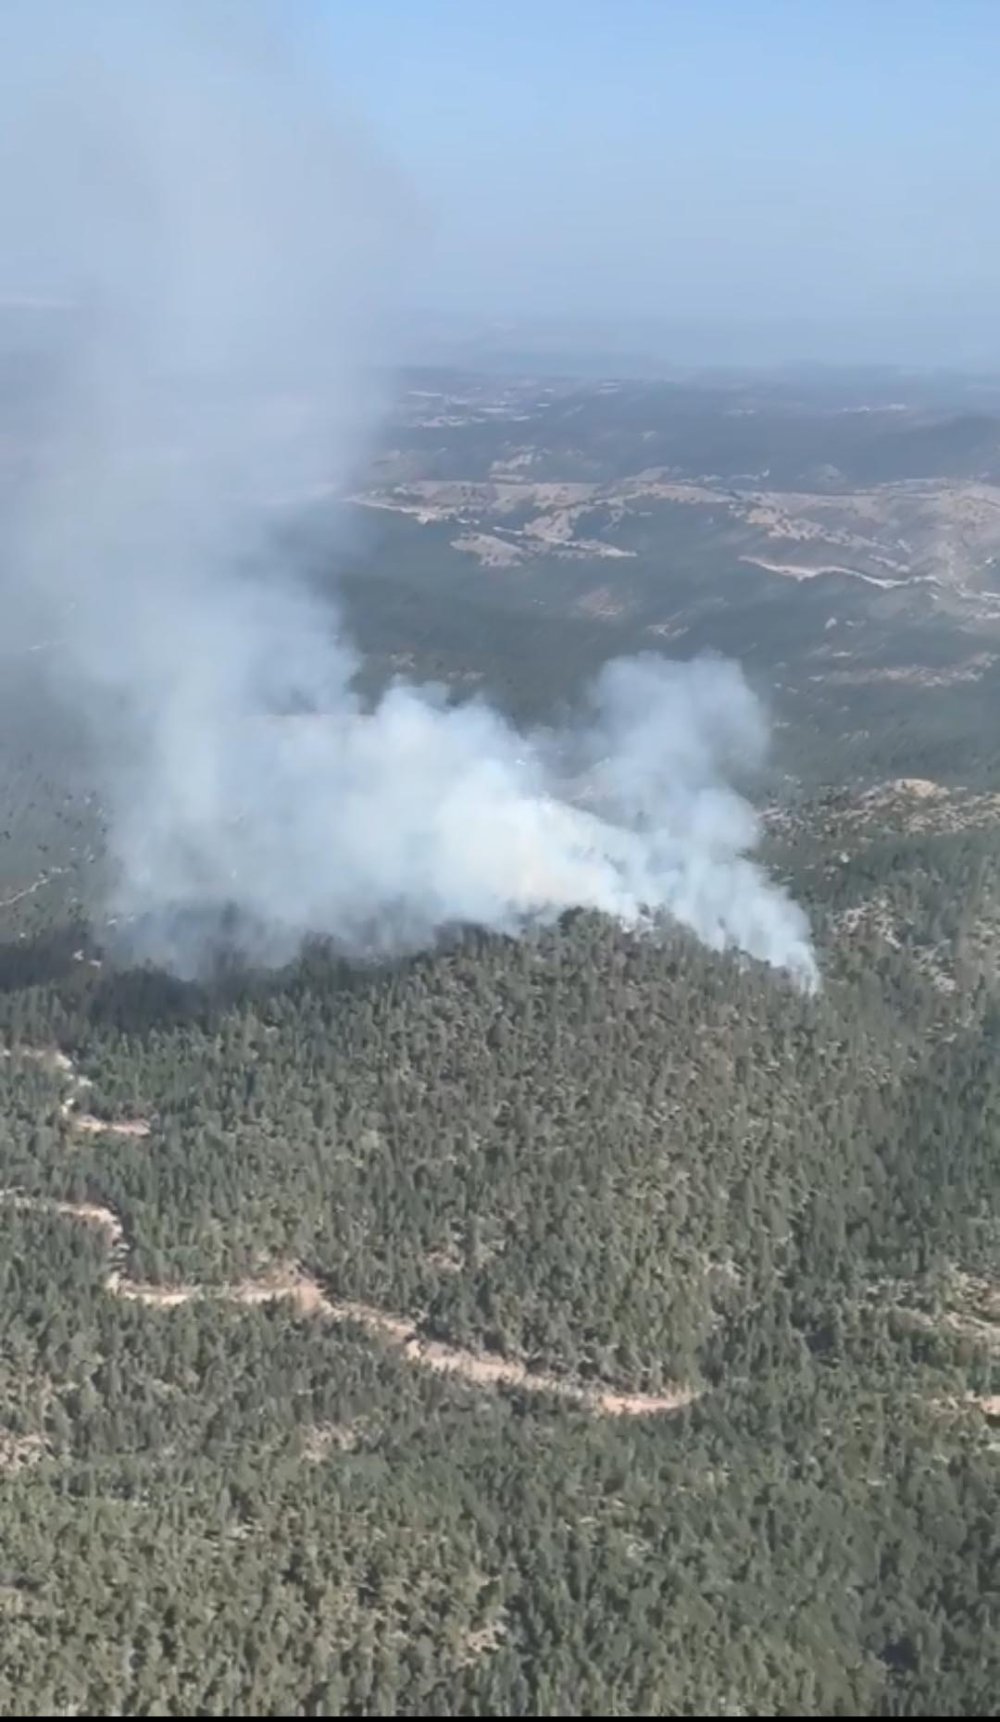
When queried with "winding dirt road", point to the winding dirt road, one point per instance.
{"points": [[307, 1295], [87, 1123]]}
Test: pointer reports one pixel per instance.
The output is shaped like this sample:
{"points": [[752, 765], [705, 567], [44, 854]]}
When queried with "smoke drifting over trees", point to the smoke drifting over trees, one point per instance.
{"points": [[173, 175]]}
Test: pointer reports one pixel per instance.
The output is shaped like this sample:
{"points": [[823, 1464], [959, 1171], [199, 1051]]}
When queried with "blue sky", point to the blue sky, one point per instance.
{"points": [[828, 164]]}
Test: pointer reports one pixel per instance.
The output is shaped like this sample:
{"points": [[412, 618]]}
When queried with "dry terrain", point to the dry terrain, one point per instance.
{"points": [[940, 533]]}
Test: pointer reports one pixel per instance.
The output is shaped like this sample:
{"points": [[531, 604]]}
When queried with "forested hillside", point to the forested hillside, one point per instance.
{"points": [[578, 1323], [625, 1166]]}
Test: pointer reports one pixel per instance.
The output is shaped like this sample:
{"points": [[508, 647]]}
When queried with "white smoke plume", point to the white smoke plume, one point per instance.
{"points": [[173, 173]]}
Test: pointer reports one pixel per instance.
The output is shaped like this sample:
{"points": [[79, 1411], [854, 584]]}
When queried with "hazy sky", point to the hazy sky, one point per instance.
{"points": [[822, 165]]}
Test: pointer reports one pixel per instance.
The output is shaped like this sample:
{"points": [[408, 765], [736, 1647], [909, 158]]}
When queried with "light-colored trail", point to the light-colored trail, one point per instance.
{"points": [[29, 890], [87, 1123], [308, 1297]]}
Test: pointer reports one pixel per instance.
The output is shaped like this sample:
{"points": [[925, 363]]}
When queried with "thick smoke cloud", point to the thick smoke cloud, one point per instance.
{"points": [[173, 175]]}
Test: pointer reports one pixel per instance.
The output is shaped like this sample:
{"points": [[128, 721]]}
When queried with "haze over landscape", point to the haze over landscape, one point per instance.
{"points": [[727, 183], [499, 870], [215, 360]]}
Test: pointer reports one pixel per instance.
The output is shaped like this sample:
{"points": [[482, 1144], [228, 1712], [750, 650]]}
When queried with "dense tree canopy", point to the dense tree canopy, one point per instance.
{"points": [[616, 1160]]}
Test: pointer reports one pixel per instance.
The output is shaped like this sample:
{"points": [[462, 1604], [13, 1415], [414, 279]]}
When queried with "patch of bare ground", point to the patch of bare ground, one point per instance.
{"points": [[89, 1125], [910, 532], [915, 529], [491, 551], [308, 1297], [599, 547], [924, 788], [968, 1307], [872, 918], [946, 965], [602, 602], [49, 1057], [658, 484], [952, 966], [483, 1640], [447, 1260], [908, 804], [557, 530], [514, 466], [326, 1438], [19, 1452], [475, 505], [86, 1123], [972, 1327], [918, 804], [987, 1404]]}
